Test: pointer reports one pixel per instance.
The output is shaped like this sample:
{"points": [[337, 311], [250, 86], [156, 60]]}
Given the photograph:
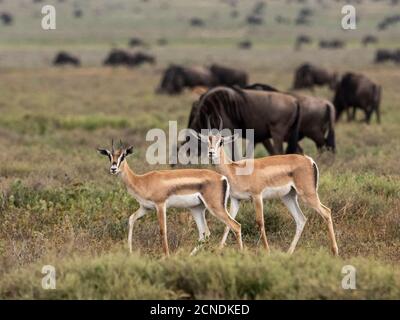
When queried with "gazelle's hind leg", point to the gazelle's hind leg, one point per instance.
{"points": [[224, 216], [290, 201], [198, 214], [325, 212], [233, 210]]}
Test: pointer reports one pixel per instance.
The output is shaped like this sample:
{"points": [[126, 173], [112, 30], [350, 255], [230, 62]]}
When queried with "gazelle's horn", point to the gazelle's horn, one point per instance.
{"points": [[208, 123], [120, 143], [221, 123], [112, 145]]}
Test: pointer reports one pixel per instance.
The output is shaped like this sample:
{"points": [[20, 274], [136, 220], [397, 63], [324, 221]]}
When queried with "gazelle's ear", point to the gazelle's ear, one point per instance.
{"points": [[104, 152], [128, 151], [230, 138]]}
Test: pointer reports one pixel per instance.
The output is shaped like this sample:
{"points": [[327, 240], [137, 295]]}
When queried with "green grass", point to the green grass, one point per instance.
{"points": [[305, 275]]}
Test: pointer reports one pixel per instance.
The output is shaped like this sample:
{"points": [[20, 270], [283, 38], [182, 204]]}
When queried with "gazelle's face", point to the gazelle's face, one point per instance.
{"points": [[215, 142], [116, 157]]}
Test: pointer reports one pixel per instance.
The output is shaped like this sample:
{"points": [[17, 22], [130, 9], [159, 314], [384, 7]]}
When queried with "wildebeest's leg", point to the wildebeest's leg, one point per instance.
{"points": [[267, 144], [277, 138], [368, 114], [299, 149], [353, 116]]}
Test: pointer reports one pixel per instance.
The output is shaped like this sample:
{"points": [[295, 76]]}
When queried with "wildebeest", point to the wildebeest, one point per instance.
{"points": [[78, 13], [387, 21], [369, 39], [358, 92], [6, 18], [272, 115], [229, 76], [197, 22], [255, 19], [317, 118], [245, 44], [119, 57], [300, 40], [176, 78], [383, 55], [64, 58], [331, 44], [308, 76], [136, 42]]}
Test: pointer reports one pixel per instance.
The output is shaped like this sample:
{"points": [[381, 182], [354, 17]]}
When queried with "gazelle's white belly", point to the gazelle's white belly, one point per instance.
{"points": [[184, 201], [240, 195], [276, 192]]}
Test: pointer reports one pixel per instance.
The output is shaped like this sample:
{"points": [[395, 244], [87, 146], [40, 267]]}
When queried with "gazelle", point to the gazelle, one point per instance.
{"points": [[284, 176], [195, 189]]}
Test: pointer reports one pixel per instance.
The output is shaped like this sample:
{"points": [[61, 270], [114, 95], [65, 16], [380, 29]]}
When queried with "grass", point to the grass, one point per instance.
{"points": [[59, 205], [305, 275]]}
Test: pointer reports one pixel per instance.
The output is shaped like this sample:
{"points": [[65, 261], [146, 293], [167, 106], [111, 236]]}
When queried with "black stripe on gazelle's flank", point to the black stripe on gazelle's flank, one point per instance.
{"points": [[195, 186], [224, 192], [316, 173]]}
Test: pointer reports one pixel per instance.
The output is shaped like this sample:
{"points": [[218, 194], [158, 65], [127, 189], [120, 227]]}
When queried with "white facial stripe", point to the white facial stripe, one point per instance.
{"points": [[120, 159]]}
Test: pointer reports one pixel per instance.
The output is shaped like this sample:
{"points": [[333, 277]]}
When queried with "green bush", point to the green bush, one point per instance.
{"points": [[230, 275]]}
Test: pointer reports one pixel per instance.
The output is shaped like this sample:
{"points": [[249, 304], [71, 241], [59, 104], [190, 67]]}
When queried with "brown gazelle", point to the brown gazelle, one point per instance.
{"points": [[195, 189], [284, 176]]}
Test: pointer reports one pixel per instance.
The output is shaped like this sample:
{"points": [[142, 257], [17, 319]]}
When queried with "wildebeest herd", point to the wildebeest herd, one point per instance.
{"points": [[277, 116]]}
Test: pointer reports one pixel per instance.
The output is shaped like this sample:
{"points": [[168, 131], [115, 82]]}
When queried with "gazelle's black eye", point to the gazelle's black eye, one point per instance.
{"points": [[221, 142]]}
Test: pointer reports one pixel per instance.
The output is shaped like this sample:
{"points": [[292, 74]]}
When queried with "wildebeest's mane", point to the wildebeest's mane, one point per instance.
{"points": [[229, 101], [261, 86]]}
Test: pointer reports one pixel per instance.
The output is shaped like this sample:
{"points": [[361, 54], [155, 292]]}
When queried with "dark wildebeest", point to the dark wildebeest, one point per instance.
{"points": [[176, 78], [383, 55], [308, 76], [255, 19], [369, 39], [78, 13], [197, 22], [245, 44], [358, 92], [271, 114], [229, 77], [136, 42], [317, 118], [64, 58], [7, 18], [331, 44], [122, 58], [300, 40]]}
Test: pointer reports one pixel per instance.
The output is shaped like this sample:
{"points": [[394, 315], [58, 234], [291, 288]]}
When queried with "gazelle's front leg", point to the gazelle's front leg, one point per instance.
{"points": [[233, 210], [259, 206], [137, 215], [162, 220]]}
